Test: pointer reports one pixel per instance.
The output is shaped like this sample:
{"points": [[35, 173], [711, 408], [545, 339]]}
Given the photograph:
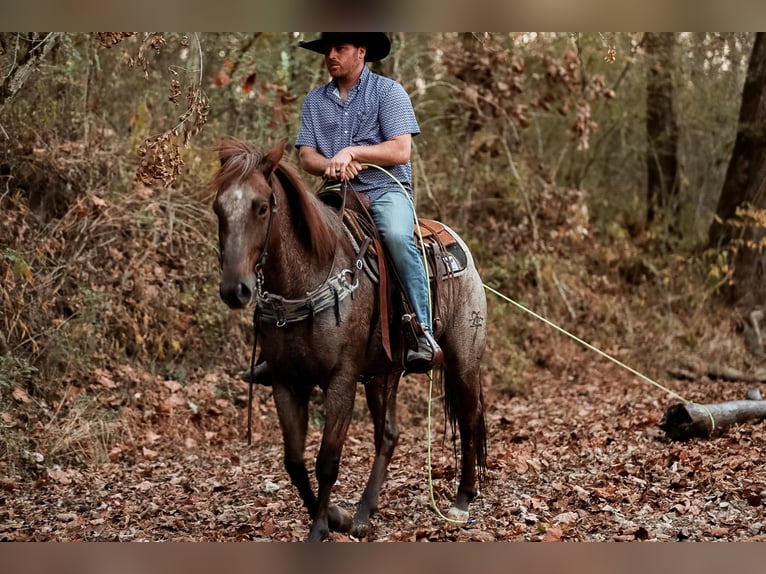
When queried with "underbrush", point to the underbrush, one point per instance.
{"points": [[651, 310], [127, 278], [119, 276]]}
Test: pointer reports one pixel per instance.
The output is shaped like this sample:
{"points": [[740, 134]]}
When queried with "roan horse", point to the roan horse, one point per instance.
{"points": [[277, 237]]}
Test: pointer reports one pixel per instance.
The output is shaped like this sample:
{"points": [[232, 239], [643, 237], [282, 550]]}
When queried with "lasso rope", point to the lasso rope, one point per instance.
{"points": [[585, 343], [430, 373], [536, 316]]}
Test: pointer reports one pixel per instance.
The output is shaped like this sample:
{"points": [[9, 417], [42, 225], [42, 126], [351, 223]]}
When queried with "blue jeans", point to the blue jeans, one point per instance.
{"points": [[395, 219]]}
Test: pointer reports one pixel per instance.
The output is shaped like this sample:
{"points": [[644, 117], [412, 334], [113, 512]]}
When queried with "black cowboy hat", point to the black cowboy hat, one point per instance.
{"points": [[377, 43]]}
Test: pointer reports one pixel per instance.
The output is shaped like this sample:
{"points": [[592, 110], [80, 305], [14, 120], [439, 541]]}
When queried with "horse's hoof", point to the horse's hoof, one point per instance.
{"points": [[339, 519], [457, 515], [360, 530], [317, 536]]}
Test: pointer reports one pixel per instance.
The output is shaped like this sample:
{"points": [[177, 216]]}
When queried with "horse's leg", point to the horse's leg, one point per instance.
{"points": [[293, 419], [381, 400], [462, 388], [339, 406]]}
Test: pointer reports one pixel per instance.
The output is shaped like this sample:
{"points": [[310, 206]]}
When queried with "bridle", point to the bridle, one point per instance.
{"points": [[276, 309], [258, 268]]}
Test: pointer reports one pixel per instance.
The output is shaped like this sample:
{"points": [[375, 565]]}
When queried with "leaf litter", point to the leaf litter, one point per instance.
{"points": [[570, 459]]}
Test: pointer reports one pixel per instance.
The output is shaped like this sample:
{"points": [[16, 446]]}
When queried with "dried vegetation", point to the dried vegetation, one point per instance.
{"points": [[121, 416]]}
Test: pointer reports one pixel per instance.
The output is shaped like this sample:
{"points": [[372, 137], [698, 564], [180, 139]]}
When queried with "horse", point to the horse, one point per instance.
{"points": [[278, 241]]}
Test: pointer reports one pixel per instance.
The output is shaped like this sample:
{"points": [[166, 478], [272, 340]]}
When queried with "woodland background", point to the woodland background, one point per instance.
{"points": [[611, 182]]}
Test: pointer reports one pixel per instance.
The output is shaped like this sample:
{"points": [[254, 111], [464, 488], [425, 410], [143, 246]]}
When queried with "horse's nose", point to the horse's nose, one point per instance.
{"points": [[236, 296]]}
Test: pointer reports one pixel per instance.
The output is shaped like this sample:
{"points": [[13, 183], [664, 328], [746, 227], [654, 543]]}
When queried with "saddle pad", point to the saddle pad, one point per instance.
{"points": [[442, 249]]}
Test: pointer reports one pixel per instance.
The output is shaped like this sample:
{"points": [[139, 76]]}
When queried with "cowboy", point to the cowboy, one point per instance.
{"points": [[359, 118]]}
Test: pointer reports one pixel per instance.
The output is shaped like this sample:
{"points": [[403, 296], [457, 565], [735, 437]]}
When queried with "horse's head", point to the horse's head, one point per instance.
{"points": [[243, 203]]}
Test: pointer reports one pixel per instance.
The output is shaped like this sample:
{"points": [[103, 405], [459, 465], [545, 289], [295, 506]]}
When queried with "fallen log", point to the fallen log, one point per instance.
{"points": [[692, 372], [726, 373], [684, 421]]}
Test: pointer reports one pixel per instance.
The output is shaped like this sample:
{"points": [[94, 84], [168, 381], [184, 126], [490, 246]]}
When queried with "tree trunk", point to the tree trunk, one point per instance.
{"points": [[744, 186], [748, 158], [661, 131]]}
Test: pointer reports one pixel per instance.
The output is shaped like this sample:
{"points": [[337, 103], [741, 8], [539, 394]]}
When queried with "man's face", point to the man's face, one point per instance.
{"points": [[344, 59]]}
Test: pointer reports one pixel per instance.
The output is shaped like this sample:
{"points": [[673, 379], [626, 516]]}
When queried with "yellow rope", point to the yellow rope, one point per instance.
{"points": [[430, 374], [600, 352], [536, 316]]}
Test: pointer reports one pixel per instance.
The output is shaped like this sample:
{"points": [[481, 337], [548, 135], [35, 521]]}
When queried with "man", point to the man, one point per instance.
{"points": [[361, 117]]}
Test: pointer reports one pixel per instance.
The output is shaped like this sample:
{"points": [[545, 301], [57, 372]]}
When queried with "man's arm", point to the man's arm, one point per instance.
{"points": [[395, 151], [347, 163], [312, 161]]}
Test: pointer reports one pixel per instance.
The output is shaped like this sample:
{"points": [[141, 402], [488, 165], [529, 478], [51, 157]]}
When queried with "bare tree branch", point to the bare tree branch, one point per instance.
{"points": [[21, 70]]}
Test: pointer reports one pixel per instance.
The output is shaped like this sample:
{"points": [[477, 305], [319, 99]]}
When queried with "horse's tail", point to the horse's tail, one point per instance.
{"points": [[452, 404]]}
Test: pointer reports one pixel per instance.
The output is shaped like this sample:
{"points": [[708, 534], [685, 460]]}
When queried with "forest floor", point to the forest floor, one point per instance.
{"points": [[577, 456]]}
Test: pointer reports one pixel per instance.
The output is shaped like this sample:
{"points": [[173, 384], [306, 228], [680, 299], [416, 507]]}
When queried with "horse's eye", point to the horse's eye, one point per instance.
{"points": [[262, 209]]}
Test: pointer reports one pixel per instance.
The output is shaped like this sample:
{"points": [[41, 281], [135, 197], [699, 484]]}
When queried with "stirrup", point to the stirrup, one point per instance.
{"points": [[426, 356]]}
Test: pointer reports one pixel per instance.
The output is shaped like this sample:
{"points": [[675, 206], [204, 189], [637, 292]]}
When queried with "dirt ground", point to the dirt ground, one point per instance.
{"points": [[578, 456]]}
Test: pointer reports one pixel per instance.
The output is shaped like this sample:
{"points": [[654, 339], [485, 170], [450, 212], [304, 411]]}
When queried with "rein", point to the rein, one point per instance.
{"points": [[258, 282]]}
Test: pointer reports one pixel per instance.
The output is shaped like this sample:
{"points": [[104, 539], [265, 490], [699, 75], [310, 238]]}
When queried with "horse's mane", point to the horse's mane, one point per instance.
{"points": [[240, 163]]}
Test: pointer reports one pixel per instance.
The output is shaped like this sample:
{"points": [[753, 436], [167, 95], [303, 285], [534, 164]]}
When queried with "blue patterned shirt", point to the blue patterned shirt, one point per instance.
{"points": [[376, 110]]}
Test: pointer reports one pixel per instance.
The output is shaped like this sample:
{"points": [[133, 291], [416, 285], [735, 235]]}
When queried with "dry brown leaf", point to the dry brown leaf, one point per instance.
{"points": [[566, 518], [104, 379], [149, 454], [553, 535], [20, 395], [718, 531]]}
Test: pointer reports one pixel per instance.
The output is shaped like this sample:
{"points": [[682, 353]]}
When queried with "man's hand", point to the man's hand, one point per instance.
{"points": [[342, 166]]}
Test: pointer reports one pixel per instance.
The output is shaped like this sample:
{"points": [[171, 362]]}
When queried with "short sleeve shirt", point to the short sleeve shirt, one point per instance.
{"points": [[376, 110]]}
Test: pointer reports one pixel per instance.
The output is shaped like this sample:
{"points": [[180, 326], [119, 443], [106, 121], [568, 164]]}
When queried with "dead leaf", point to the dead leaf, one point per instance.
{"points": [[116, 452], [149, 454], [62, 476], [145, 486], [267, 527], [172, 386], [553, 535], [566, 518], [8, 419], [21, 395], [152, 437], [104, 379]]}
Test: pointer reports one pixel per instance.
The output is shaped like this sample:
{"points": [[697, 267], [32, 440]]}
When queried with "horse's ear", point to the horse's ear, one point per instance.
{"points": [[271, 160]]}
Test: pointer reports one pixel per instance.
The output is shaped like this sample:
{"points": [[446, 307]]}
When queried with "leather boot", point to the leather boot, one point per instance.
{"points": [[262, 375], [421, 358]]}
